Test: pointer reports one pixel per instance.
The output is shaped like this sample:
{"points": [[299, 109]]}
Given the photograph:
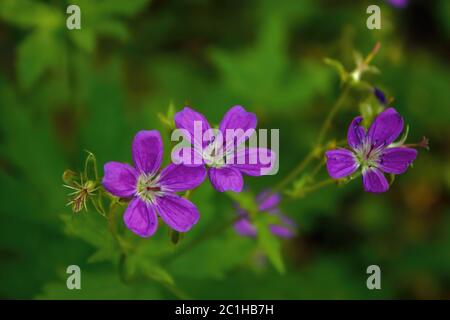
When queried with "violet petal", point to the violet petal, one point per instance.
{"points": [[254, 161], [188, 156], [280, 231], [140, 218], [397, 160], [374, 181], [119, 179], [356, 133], [226, 178], [386, 127], [237, 118], [245, 228], [268, 201], [147, 151], [187, 119], [178, 213], [181, 178], [341, 163]]}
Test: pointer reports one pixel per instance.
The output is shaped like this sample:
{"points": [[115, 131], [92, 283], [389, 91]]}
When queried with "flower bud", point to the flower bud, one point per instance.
{"points": [[90, 186], [69, 176]]}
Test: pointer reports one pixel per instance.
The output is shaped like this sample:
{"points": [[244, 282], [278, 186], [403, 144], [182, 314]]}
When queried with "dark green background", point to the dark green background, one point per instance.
{"points": [[62, 92]]}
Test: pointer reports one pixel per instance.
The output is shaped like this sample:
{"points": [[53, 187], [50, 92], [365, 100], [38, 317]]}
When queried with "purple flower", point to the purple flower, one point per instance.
{"points": [[398, 3], [373, 151], [223, 153], [153, 193], [267, 203]]}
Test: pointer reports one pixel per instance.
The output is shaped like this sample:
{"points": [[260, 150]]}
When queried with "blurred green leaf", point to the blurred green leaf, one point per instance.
{"points": [[270, 244], [261, 72], [137, 265], [212, 258], [28, 14], [93, 229], [104, 18], [37, 54], [245, 200], [343, 75], [101, 284]]}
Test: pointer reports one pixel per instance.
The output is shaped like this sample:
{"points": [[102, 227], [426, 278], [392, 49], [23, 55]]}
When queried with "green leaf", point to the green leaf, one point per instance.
{"points": [[22, 136], [84, 38], [343, 74], [138, 265], [37, 54], [93, 229], [168, 118], [245, 199], [212, 258], [270, 244], [260, 72], [156, 272], [100, 255], [104, 18], [120, 7], [370, 108], [112, 28], [99, 284], [28, 14]]}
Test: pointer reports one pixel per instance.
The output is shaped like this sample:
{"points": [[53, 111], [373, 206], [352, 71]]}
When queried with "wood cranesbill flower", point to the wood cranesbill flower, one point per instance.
{"points": [[214, 152], [372, 151], [153, 193], [267, 204]]}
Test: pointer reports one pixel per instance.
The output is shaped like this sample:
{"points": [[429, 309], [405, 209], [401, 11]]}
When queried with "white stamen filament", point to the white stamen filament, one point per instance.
{"points": [[148, 188]]}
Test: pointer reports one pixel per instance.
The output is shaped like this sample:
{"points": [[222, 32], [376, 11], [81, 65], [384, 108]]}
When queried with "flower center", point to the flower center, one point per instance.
{"points": [[213, 156], [148, 188], [368, 155]]}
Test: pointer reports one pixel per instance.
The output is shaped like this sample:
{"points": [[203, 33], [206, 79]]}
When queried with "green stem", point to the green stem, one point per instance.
{"points": [[317, 186], [123, 246], [188, 194], [318, 147], [336, 107], [326, 182], [317, 168], [295, 172]]}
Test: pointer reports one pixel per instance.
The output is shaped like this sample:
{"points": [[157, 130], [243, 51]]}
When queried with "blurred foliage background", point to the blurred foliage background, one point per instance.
{"points": [[62, 92]]}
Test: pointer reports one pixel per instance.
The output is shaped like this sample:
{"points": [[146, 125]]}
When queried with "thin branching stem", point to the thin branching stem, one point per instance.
{"points": [[324, 183], [326, 126], [318, 148], [296, 171]]}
